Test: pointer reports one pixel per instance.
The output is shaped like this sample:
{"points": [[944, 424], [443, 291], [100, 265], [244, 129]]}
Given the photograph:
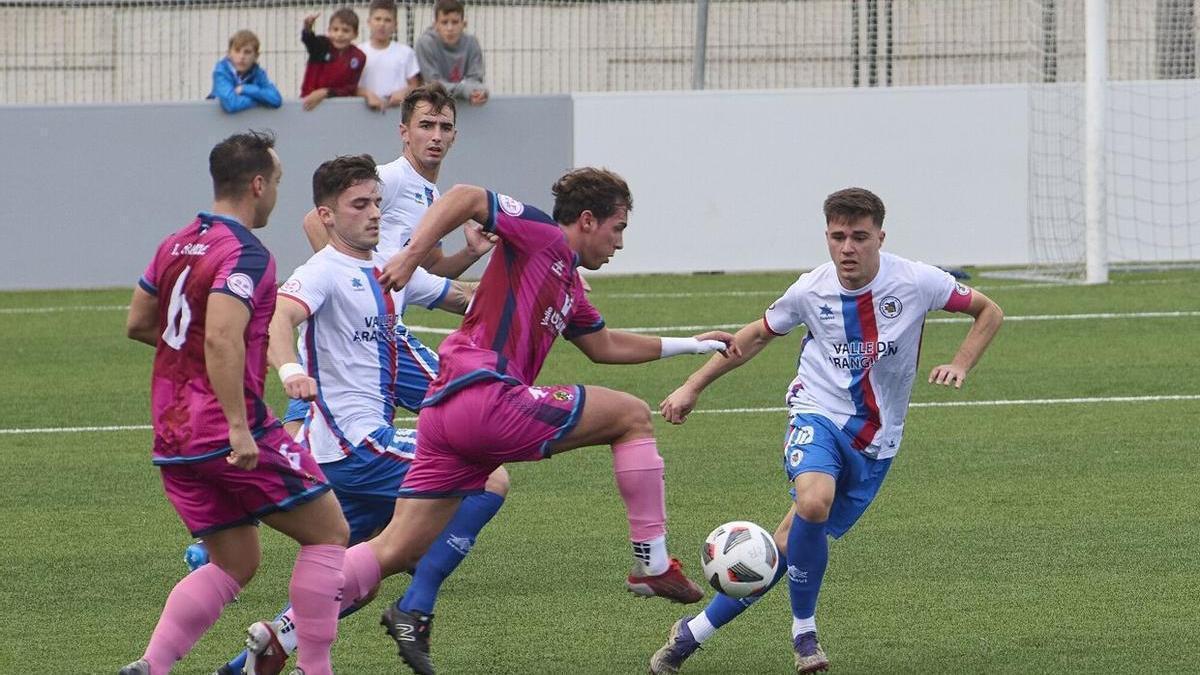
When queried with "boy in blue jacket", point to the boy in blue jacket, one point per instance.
{"points": [[238, 81]]}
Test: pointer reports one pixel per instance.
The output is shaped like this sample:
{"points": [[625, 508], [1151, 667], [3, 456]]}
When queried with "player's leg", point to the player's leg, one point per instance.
{"points": [[287, 491], [622, 421], [195, 603], [315, 589], [834, 483], [365, 487], [453, 544]]}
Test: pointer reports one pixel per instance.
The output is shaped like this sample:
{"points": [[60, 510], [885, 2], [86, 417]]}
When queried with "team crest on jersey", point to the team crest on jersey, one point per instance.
{"points": [[795, 456], [240, 284], [509, 205], [354, 63], [826, 313], [562, 395], [418, 198], [890, 307], [290, 286], [961, 289]]}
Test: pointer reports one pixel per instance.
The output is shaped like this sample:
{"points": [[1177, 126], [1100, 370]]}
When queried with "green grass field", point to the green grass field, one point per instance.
{"points": [[1027, 537]]}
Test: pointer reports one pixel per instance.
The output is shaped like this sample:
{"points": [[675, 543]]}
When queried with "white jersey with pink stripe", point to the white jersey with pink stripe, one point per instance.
{"points": [[859, 360]]}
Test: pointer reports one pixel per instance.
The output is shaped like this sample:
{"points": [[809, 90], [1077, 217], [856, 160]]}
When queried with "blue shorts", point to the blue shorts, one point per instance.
{"points": [[366, 482], [416, 367], [814, 443]]}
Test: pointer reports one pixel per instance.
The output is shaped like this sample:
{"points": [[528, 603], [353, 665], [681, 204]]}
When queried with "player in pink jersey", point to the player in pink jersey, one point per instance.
{"points": [[864, 312], [483, 409], [204, 303]]}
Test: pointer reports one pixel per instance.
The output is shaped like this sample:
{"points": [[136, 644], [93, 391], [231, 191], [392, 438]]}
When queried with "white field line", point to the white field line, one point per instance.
{"points": [[52, 310], [727, 411]]}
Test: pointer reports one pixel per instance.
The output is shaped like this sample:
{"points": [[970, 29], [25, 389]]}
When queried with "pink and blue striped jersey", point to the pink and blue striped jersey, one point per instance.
{"points": [[214, 254], [530, 294], [859, 359]]}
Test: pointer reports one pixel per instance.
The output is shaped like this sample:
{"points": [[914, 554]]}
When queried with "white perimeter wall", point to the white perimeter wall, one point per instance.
{"points": [[735, 180]]}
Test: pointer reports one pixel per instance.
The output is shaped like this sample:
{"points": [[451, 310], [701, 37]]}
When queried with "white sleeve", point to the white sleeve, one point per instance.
{"points": [[408, 62], [787, 312], [424, 289], [308, 286], [936, 285]]}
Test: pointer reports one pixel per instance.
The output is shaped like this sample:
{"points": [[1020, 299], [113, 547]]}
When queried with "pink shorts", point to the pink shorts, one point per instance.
{"points": [[214, 495], [463, 438]]}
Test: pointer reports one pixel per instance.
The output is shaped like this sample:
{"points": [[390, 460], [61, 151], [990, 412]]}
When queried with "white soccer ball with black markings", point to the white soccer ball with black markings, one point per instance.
{"points": [[739, 559]]}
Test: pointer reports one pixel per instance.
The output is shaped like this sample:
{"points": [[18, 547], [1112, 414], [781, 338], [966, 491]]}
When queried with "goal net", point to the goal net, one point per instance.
{"points": [[1147, 208]]}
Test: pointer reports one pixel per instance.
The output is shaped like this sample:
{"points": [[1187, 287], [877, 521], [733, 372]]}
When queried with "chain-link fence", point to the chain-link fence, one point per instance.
{"points": [[79, 51]]}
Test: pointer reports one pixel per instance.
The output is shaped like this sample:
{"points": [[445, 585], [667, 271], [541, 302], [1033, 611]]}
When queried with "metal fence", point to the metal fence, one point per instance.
{"points": [[87, 51]]}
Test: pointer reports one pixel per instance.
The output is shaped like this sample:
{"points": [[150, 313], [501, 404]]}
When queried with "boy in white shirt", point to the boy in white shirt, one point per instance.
{"points": [[391, 68]]}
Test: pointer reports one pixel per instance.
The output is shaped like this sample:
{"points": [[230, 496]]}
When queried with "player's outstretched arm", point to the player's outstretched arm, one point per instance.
{"points": [[142, 322], [459, 297], [460, 204], [452, 266], [988, 317], [748, 342], [281, 350], [315, 230], [617, 346], [225, 361]]}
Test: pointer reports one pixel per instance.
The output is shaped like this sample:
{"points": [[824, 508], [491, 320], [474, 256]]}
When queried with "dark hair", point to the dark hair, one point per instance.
{"points": [[346, 16], [588, 189], [852, 204], [389, 5], [235, 161], [334, 177], [432, 93], [447, 7]]}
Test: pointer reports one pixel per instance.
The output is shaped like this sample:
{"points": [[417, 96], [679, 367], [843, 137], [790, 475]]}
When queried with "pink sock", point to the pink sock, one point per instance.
{"points": [[192, 608], [362, 574], [316, 591], [639, 471]]}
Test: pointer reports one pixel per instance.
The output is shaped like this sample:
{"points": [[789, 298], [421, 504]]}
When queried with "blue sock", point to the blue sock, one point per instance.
{"points": [[723, 609], [808, 554], [448, 550]]}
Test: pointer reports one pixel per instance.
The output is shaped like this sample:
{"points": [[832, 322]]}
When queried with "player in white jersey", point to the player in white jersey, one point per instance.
{"points": [[409, 183], [408, 186], [864, 312], [351, 333]]}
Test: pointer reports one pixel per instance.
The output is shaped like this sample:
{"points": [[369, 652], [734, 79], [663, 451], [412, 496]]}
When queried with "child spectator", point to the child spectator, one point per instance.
{"points": [[450, 56], [391, 68], [238, 81], [334, 63]]}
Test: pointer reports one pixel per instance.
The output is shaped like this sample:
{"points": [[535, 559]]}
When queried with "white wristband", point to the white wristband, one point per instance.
{"points": [[672, 346], [289, 370]]}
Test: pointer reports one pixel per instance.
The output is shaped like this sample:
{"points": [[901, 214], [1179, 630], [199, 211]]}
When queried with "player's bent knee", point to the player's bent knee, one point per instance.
{"points": [[813, 508], [498, 482], [242, 570], [635, 418]]}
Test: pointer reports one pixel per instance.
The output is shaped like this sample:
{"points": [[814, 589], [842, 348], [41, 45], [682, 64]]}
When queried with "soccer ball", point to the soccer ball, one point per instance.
{"points": [[739, 559]]}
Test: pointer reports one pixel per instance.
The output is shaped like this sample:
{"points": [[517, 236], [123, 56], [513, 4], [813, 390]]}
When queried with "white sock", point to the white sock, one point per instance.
{"points": [[701, 627], [802, 626], [652, 555], [285, 630]]}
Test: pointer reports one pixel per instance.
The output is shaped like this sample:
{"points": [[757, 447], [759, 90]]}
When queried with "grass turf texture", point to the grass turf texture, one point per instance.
{"points": [[1029, 538]]}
